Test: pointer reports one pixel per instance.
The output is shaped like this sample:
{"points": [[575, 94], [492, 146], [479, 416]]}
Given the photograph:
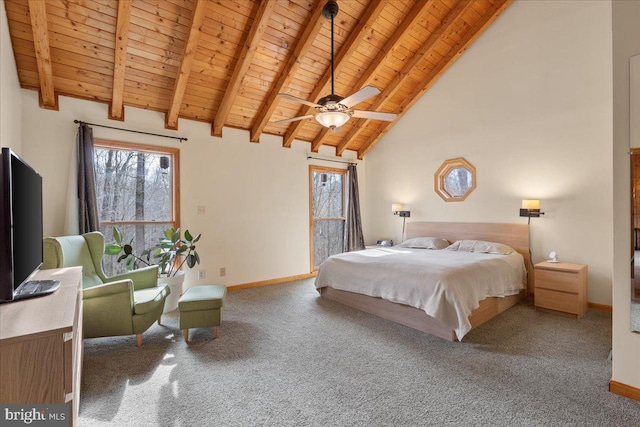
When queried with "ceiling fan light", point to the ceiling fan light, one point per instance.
{"points": [[332, 119]]}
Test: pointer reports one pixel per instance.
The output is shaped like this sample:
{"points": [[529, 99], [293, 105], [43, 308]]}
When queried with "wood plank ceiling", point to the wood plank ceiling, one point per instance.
{"points": [[224, 62]]}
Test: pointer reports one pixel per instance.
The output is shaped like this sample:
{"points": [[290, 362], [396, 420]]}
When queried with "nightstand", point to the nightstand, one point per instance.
{"points": [[561, 286]]}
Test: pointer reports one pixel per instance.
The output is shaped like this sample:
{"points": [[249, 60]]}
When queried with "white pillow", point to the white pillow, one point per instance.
{"points": [[481, 246], [424, 243]]}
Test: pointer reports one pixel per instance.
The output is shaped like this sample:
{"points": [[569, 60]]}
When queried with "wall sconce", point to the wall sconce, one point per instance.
{"points": [[530, 208], [397, 209]]}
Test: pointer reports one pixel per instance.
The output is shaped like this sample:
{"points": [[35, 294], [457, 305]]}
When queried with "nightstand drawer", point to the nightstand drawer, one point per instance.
{"points": [[560, 301], [557, 280]]}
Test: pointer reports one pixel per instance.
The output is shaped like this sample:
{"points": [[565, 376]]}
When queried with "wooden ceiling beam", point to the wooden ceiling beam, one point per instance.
{"points": [[410, 20], [348, 48], [38, 17], [471, 35], [288, 72], [260, 23], [116, 111], [190, 47], [401, 77]]}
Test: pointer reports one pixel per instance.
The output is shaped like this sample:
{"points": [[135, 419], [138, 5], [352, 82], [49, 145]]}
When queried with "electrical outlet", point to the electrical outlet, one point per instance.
{"points": [[202, 210], [223, 271], [201, 274]]}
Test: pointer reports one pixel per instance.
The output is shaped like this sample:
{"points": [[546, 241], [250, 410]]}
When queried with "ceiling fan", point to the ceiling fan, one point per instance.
{"points": [[333, 111]]}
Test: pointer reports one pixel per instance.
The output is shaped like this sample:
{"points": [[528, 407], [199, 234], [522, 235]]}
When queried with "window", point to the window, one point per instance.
{"points": [[136, 190], [455, 180], [327, 213]]}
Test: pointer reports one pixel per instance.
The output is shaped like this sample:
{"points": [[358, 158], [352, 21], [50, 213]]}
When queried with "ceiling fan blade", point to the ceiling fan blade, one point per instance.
{"points": [[374, 115], [300, 100], [294, 119], [361, 95]]}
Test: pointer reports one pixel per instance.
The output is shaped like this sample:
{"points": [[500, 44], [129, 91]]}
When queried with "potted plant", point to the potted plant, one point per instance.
{"points": [[169, 254], [165, 254]]}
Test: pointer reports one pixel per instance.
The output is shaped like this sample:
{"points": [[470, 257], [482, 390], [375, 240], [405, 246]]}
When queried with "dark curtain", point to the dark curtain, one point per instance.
{"points": [[353, 238], [87, 205]]}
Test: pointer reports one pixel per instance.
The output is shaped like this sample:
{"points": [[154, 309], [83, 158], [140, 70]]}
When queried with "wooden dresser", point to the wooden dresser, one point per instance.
{"points": [[41, 345], [561, 287]]}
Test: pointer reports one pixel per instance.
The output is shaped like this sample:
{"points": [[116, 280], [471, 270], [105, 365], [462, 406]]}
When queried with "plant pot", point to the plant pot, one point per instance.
{"points": [[175, 288]]}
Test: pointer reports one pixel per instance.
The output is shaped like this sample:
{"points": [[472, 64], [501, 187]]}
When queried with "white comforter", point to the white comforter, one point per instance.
{"points": [[447, 285]]}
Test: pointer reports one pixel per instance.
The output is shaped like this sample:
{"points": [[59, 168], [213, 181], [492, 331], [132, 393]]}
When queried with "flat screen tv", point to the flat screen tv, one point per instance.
{"points": [[20, 230]]}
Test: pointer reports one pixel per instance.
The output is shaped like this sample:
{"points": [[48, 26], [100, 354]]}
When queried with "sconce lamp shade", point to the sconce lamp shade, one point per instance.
{"points": [[530, 204], [530, 208], [396, 207]]}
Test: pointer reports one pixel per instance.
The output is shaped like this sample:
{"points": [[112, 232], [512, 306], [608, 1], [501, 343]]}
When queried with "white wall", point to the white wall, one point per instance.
{"points": [[529, 105], [256, 195], [10, 100], [626, 345]]}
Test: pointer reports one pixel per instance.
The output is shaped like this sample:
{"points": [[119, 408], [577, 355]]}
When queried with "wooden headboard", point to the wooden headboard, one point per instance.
{"points": [[514, 235]]}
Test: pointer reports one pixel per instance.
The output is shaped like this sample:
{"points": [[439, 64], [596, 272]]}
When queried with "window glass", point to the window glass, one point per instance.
{"points": [[328, 238], [133, 185], [327, 213], [327, 195], [457, 181]]}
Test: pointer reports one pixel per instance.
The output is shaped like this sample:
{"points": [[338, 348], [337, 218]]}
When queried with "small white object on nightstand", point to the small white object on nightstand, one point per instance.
{"points": [[553, 257]]}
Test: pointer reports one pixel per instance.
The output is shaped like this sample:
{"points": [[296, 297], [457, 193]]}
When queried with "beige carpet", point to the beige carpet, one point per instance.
{"points": [[285, 357]]}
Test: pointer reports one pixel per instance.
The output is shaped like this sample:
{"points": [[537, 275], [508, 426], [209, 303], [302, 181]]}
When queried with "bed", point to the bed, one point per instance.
{"points": [[383, 281]]}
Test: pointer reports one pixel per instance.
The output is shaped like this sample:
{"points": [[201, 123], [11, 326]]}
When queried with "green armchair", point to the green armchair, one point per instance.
{"points": [[125, 304]]}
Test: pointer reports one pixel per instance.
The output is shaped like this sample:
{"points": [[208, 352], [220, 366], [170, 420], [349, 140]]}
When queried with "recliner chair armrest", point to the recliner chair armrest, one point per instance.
{"points": [[142, 278], [109, 289], [108, 309]]}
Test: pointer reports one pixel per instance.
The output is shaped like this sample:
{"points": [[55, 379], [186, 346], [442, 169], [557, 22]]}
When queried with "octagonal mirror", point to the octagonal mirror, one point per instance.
{"points": [[455, 180]]}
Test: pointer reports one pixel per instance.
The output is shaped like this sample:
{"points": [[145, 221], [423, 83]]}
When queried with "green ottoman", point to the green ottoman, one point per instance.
{"points": [[200, 307]]}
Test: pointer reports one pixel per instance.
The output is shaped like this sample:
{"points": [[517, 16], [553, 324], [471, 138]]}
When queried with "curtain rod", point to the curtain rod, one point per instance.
{"points": [[129, 130], [331, 160]]}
